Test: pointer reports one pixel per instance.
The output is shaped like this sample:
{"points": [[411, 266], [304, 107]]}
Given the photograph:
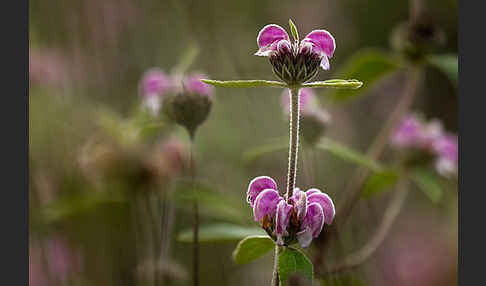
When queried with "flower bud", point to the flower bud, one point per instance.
{"points": [[295, 68], [418, 38], [191, 107]]}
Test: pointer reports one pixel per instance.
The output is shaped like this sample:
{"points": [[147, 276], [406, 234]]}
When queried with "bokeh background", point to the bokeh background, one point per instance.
{"points": [[109, 199]]}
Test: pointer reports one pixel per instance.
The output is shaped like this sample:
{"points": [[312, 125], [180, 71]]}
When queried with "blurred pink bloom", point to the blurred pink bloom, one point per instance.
{"points": [[46, 67], [408, 132], [154, 84], [429, 138], [446, 148], [420, 253], [63, 263], [169, 157], [193, 84]]}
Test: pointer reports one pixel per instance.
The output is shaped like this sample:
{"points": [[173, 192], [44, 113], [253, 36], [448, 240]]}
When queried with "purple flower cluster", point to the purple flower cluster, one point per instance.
{"points": [[428, 137], [298, 218], [295, 62], [156, 83]]}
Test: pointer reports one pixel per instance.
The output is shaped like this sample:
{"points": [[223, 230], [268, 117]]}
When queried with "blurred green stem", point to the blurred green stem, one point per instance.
{"points": [[294, 139], [354, 187], [192, 169], [381, 140], [391, 213]]}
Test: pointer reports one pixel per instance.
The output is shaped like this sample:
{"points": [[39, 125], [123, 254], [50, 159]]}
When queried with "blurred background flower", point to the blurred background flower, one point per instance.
{"points": [[109, 179]]}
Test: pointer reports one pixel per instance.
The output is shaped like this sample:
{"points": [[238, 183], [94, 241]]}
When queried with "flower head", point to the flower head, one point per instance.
{"points": [[428, 138], [191, 104], [296, 62], [300, 218]]}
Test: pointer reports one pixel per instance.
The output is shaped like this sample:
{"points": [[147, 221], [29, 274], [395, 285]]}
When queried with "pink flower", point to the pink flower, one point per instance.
{"points": [[429, 138], [193, 84], [154, 84], [408, 132], [446, 148], [310, 210], [273, 39], [295, 62]]}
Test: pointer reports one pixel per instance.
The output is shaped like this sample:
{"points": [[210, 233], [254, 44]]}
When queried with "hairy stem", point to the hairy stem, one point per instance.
{"points": [[192, 168], [275, 278], [294, 139]]}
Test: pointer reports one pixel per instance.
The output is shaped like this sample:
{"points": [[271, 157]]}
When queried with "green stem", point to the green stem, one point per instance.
{"points": [[196, 217], [294, 139], [275, 278]]}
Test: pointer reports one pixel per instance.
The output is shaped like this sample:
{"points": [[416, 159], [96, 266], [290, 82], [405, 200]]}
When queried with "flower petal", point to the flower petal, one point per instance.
{"points": [[266, 204], [316, 196], [305, 237], [408, 132], [153, 104], [446, 146], [257, 185], [322, 41], [282, 220], [194, 84], [314, 219], [299, 200], [325, 65], [154, 83], [268, 39], [284, 46]]}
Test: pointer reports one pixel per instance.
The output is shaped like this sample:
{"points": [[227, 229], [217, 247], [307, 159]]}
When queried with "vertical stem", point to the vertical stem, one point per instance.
{"points": [[192, 168], [381, 140], [294, 139], [275, 278]]}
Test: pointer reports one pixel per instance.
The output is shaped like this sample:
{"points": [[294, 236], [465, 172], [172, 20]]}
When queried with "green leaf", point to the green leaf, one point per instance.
{"points": [[367, 65], [252, 248], [259, 151], [290, 261], [379, 182], [335, 83], [448, 64], [78, 204], [348, 154], [220, 232], [221, 205], [244, 83], [293, 29], [428, 183]]}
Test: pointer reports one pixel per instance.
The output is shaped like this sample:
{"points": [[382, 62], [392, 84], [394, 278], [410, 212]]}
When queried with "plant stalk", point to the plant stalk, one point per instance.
{"points": [[294, 139], [275, 278], [192, 169]]}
